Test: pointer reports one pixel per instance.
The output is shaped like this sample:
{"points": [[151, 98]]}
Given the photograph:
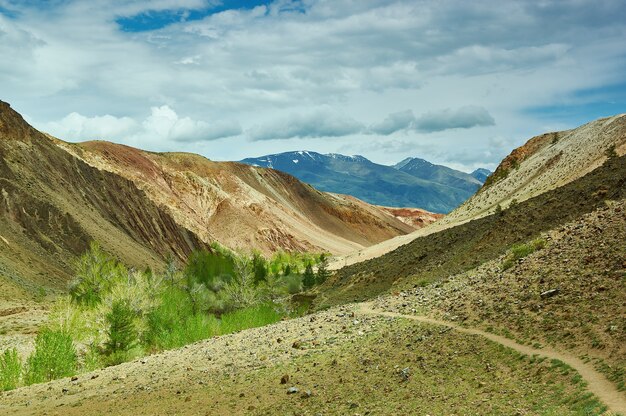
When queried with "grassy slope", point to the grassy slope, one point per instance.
{"points": [[348, 373], [585, 260], [466, 246]]}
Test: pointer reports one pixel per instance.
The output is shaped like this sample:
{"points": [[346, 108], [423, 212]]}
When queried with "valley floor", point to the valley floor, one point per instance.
{"points": [[348, 360], [483, 342]]}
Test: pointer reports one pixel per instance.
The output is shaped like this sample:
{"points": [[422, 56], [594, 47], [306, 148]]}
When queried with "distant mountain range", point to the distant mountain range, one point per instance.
{"points": [[411, 183]]}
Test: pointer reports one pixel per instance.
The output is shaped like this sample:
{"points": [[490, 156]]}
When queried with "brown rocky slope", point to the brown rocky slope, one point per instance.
{"points": [[145, 207]]}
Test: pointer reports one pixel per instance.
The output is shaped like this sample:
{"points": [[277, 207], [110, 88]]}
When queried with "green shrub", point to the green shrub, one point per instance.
{"points": [[54, 357], [121, 332], [293, 283], [210, 268], [251, 317], [174, 323], [96, 272], [10, 370], [308, 278]]}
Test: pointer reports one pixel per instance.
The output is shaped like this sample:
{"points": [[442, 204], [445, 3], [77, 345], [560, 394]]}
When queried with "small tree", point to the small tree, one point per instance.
{"points": [[287, 270], [308, 278], [96, 272], [322, 270], [260, 269], [122, 333]]}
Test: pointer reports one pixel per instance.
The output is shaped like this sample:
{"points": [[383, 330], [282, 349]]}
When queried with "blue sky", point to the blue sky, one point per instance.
{"points": [[455, 82], [158, 19]]}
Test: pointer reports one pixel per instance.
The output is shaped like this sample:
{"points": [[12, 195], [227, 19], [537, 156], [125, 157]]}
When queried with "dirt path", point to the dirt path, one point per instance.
{"points": [[596, 382]]}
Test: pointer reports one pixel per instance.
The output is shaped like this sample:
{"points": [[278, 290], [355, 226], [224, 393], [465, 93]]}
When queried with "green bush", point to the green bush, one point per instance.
{"points": [[293, 283], [96, 273], [54, 357], [210, 268], [174, 323], [10, 370], [121, 332]]}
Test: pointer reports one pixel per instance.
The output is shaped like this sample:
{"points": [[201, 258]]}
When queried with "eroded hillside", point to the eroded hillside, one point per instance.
{"points": [[144, 207], [245, 207], [54, 204]]}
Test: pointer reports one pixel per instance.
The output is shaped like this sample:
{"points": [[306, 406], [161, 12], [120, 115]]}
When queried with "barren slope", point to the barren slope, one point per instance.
{"points": [[243, 206], [53, 204], [544, 163]]}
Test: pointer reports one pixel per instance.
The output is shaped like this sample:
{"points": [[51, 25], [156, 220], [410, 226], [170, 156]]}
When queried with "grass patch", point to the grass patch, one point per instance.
{"points": [[251, 317], [520, 251]]}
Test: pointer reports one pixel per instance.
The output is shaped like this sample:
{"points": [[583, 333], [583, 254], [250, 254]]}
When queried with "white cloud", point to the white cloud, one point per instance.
{"points": [[161, 126], [273, 68], [76, 127]]}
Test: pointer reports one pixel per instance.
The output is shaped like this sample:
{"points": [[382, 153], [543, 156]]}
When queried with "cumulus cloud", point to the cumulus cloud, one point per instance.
{"points": [[76, 127], [162, 125], [257, 64], [319, 123], [163, 122]]}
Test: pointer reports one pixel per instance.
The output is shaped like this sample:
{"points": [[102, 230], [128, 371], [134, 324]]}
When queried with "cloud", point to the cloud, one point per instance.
{"points": [[320, 123], [75, 127], [162, 125], [356, 57], [394, 122], [462, 118]]}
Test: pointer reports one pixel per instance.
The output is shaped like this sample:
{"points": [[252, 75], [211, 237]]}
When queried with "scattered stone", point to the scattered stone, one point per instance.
{"points": [[292, 390], [284, 379], [549, 293], [296, 344], [74, 378], [404, 374], [306, 394]]}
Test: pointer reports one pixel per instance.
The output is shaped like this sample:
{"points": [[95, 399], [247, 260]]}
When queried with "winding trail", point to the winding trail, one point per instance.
{"points": [[597, 383]]}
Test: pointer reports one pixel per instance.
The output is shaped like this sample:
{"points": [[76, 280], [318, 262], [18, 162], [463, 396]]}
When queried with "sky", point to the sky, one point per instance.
{"points": [[459, 83]]}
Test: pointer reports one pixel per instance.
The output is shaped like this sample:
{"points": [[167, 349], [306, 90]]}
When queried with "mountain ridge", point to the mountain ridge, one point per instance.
{"points": [[372, 182]]}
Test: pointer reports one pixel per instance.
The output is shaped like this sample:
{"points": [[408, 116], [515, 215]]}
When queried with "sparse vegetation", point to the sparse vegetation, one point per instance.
{"points": [[10, 370], [519, 251], [119, 314]]}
